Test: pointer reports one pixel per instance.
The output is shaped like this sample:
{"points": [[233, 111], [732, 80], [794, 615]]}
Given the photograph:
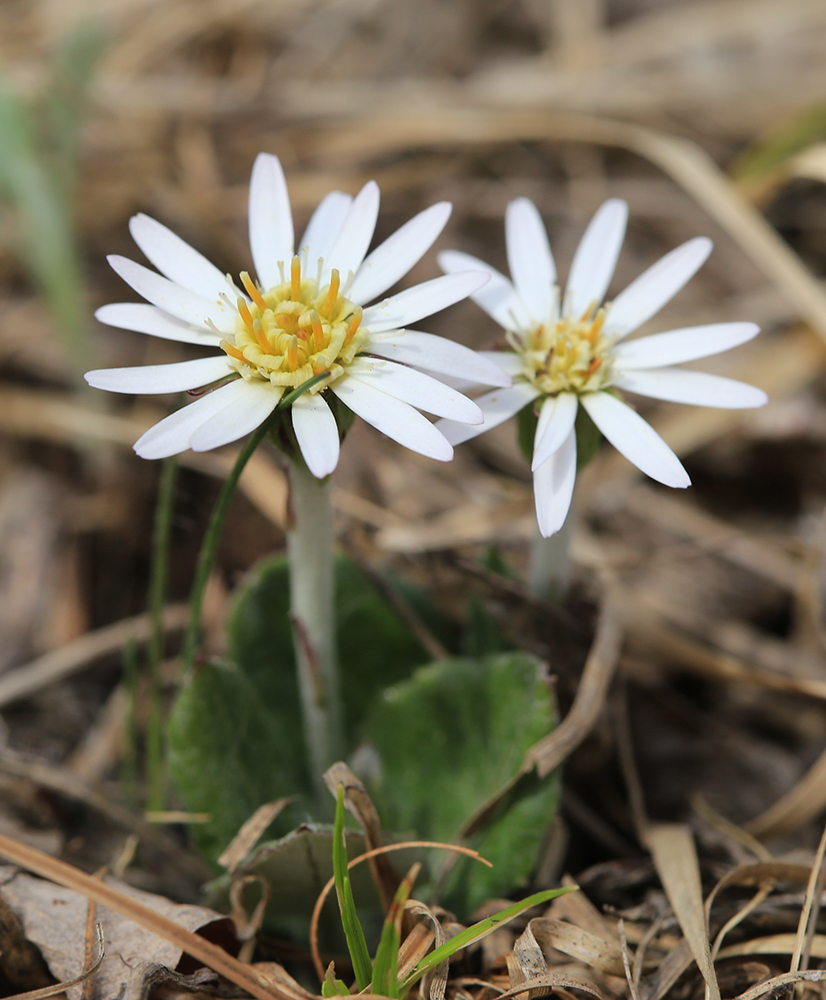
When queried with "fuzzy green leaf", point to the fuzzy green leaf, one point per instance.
{"points": [[450, 738]]}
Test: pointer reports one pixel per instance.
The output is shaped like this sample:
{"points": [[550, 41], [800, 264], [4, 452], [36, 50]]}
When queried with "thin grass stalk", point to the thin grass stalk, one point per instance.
{"points": [[162, 531], [206, 556]]}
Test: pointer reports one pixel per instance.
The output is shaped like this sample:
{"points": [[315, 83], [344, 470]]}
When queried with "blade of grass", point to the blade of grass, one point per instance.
{"points": [[356, 944], [478, 931], [386, 965]]}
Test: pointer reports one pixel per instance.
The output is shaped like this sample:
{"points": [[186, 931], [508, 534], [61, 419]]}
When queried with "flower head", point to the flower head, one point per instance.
{"points": [[305, 320], [567, 350]]}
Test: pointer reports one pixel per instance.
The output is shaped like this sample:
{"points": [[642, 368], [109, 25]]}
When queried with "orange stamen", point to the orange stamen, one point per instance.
{"points": [[233, 352], [355, 323], [261, 337], [318, 333], [292, 352], [244, 313], [252, 291], [295, 279], [588, 311], [594, 365], [332, 294], [597, 327]]}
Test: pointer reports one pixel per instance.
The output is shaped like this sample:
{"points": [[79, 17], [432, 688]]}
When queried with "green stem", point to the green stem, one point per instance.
{"points": [[549, 571], [210, 543], [157, 597], [311, 554]]}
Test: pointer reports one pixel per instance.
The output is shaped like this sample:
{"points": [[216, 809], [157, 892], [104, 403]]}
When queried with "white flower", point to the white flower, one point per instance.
{"points": [[308, 314], [571, 352]]}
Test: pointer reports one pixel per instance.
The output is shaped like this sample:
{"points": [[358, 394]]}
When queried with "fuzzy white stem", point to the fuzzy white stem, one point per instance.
{"points": [[311, 554], [549, 571]]}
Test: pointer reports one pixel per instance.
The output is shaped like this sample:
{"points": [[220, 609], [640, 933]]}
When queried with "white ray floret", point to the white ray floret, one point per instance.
{"points": [[569, 349], [306, 329]]}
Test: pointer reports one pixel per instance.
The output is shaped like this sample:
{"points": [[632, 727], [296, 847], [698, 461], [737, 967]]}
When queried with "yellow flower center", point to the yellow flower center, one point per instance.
{"points": [[294, 331], [566, 355]]}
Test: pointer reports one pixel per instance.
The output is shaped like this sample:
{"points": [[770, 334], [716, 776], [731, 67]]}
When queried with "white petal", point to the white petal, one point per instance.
{"points": [[416, 388], [317, 434], [596, 257], [437, 354], [634, 438], [698, 388], [421, 300], [553, 486], [243, 414], [497, 406], [143, 318], [509, 360], [392, 417], [556, 420], [178, 377], [177, 260], [498, 297], [393, 259], [271, 220], [323, 229], [171, 436], [648, 293], [529, 258], [355, 235], [677, 346], [173, 299]]}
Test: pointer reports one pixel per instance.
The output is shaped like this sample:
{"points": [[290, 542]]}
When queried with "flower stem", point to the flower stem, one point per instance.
{"points": [[157, 596], [210, 543], [311, 554], [549, 571]]}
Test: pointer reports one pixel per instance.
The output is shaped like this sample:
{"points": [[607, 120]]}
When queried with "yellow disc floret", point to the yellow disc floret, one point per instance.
{"points": [[294, 331], [566, 355]]}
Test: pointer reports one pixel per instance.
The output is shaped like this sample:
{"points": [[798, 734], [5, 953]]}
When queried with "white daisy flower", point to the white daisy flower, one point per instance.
{"points": [[307, 314], [569, 350]]}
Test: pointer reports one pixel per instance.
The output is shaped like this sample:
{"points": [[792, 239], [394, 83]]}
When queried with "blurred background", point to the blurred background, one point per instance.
{"points": [[708, 116]]}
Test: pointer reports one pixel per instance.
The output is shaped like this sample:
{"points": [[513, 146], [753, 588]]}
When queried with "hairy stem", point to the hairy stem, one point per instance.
{"points": [[311, 554]]}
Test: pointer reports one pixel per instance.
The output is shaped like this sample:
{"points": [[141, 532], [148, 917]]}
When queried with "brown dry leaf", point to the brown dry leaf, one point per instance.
{"points": [[593, 951], [54, 919], [800, 804], [553, 980], [672, 848], [250, 833]]}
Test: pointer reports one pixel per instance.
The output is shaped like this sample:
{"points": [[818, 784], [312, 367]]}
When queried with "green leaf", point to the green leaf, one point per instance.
{"points": [[450, 738], [356, 944], [481, 930], [214, 763], [227, 755]]}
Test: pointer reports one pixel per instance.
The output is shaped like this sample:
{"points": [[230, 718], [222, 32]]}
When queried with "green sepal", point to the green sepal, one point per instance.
{"points": [[588, 438], [526, 421]]}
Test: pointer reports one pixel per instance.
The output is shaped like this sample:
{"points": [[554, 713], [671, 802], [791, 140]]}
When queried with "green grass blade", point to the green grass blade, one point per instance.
{"points": [[479, 931], [332, 987], [356, 944], [386, 965]]}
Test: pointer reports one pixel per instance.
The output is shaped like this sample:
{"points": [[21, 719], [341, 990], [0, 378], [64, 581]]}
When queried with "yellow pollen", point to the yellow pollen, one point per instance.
{"points": [[260, 336], [252, 291], [568, 355], [286, 334], [332, 294], [358, 312]]}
